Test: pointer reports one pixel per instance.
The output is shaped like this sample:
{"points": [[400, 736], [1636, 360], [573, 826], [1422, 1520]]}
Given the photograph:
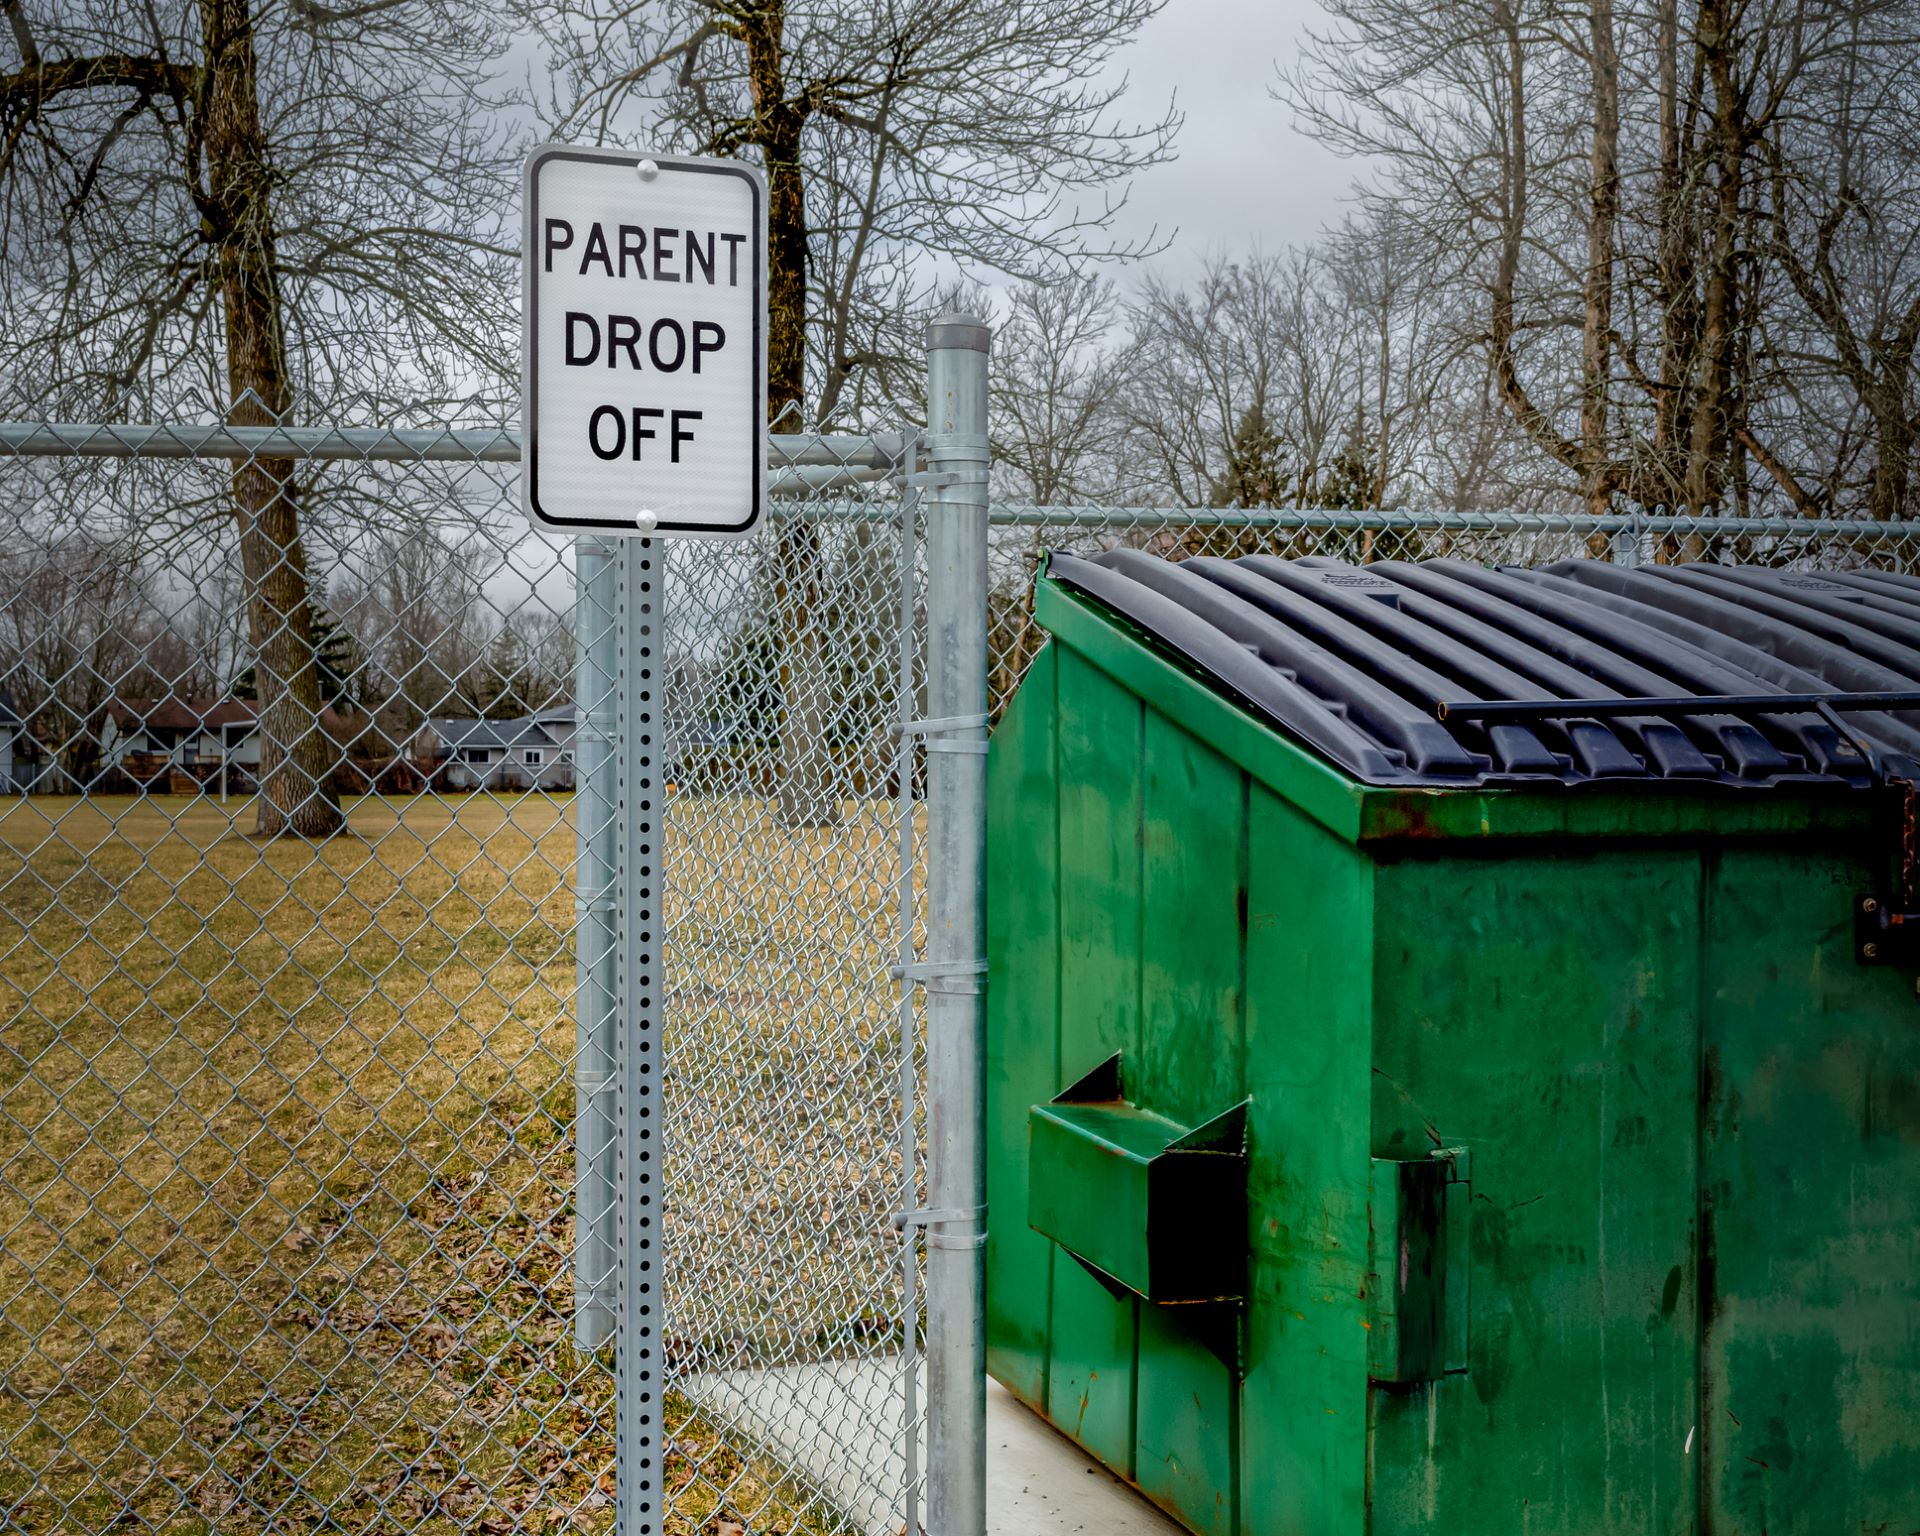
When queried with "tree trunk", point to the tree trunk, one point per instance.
{"points": [[1603, 211], [1536, 423], [296, 786], [1383, 465], [1893, 434], [1708, 430], [806, 767], [1679, 314]]}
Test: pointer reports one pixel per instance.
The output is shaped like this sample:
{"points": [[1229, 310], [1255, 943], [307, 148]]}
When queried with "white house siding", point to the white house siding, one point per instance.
{"points": [[531, 752]]}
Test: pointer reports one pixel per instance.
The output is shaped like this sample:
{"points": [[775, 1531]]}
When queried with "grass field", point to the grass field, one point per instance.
{"points": [[284, 1162]]}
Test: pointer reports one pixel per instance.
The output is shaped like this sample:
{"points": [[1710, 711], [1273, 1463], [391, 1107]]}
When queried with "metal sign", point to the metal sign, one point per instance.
{"points": [[644, 343]]}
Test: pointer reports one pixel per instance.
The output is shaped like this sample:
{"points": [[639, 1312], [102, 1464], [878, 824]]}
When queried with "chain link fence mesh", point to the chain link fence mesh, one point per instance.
{"points": [[288, 1182], [287, 1195]]}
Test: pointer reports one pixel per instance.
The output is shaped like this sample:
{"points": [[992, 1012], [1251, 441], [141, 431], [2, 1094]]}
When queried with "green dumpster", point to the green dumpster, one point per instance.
{"points": [[1453, 1058]]}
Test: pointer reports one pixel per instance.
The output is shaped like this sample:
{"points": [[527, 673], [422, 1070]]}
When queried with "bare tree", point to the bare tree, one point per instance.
{"points": [[891, 131], [898, 137], [80, 626], [1059, 374], [1844, 188], [417, 608], [1623, 191], [1202, 359], [267, 200], [1249, 384]]}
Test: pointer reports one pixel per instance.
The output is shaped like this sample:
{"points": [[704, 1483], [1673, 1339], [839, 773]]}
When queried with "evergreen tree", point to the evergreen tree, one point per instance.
{"points": [[338, 660], [1348, 483], [1255, 464]]}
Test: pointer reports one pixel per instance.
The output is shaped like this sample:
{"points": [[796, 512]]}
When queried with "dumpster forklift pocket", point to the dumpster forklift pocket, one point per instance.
{"points": [[1148, 1206]]}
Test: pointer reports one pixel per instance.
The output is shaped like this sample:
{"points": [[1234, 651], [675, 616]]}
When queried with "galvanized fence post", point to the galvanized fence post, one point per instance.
{"points": [[596, 586], [955, 735]]}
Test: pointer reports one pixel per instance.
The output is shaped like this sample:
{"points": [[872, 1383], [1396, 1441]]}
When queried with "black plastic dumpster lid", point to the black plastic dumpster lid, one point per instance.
{"points": [[1444, 673]]}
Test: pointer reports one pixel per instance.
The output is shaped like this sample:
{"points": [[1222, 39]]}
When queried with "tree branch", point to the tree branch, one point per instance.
{"points": [[312, 14], [23, 38], [27, 89], [1804, 503]]}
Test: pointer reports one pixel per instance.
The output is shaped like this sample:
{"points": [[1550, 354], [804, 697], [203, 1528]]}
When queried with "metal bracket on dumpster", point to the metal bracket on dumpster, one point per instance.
{"points": [[1417, 1268], [1886, 928]]}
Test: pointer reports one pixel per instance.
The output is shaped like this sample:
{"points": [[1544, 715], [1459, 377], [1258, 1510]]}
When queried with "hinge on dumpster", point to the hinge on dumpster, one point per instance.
{"points": [[1417, 1269], [1886, 928]]}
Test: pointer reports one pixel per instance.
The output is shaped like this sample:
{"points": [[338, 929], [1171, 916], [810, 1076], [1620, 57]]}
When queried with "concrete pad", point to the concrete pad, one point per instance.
{"points": [[1039, 1483], [837, 1426]]}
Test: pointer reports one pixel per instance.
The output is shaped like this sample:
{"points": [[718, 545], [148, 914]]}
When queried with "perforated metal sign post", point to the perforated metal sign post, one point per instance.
{"points": [[641, 969], [644, 343]]}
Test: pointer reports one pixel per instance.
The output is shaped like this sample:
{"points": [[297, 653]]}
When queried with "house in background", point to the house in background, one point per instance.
{"points": [[531, 752], [147, 738], [26, 767]]}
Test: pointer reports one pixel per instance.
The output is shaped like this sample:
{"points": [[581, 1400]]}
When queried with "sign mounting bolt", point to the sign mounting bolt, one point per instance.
{"points": [[646, 520], [648, 170]]}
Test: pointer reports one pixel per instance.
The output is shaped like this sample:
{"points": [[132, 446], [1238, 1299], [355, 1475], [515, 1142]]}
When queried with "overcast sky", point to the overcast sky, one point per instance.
{"points": [[1244, 175]]}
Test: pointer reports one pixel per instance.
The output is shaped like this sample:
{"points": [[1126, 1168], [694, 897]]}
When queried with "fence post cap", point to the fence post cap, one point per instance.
{"points": [[958, 329]]}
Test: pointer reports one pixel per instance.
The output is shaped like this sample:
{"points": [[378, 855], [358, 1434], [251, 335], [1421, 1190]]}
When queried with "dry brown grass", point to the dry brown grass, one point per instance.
{"points": [[284, 1168]]}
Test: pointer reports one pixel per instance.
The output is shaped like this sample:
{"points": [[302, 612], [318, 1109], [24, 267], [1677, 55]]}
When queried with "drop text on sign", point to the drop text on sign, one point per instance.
{"points": [[648, 253]]}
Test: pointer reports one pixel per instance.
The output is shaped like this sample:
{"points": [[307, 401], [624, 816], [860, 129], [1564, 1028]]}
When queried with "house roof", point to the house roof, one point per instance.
{"points": [[365, 731], [526, 731], [178, 712]]}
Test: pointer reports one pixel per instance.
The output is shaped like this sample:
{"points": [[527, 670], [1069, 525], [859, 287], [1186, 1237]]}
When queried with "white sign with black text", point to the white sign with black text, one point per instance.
{"points": [[644, 351]]}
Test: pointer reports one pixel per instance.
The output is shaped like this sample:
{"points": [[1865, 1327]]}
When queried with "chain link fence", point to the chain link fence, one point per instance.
{"points": [[299, 1131], [289, 1188]]}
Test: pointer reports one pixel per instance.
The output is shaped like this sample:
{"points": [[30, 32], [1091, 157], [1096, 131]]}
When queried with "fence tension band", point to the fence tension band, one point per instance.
{"points": [[965, 977], [970, 450], [948, 1217], [933, 733]]}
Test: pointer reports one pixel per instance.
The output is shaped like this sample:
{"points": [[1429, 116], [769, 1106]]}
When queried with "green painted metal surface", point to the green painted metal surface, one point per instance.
{"points": [[1153, 1206], [1663, 1274]]}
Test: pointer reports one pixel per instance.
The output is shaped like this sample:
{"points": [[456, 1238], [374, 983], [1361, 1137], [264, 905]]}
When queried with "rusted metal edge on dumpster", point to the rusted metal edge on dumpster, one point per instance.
{"points": [[1583, 812], [1361, 813]]}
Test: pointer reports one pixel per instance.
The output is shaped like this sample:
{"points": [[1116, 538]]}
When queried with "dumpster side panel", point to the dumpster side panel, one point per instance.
{"points": [[1309, 1042], [1810, 1147], [1192, 949], [1022, 1021], [1540, 1011], [1091, 1374]]}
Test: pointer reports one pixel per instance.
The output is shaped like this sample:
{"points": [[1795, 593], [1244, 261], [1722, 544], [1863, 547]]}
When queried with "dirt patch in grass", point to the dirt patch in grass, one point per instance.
{"points": [[284, 1164]]}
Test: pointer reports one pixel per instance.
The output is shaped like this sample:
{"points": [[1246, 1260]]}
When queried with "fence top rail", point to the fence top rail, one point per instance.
{"points": [[1010, 514], [880, 453], [810, 463]]}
